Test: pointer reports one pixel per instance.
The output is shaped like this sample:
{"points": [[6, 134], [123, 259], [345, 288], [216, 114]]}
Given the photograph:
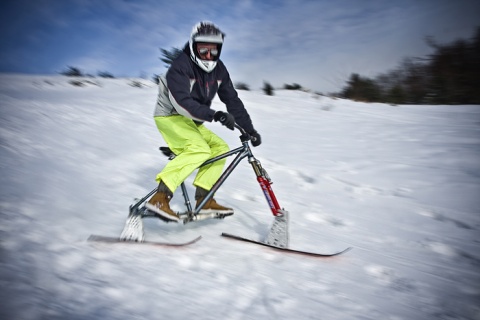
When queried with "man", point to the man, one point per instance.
{"points": [[183, 105]]}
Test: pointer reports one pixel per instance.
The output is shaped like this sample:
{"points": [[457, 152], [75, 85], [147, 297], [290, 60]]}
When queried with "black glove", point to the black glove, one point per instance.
{"points": [[225, 118], [255, 138]]}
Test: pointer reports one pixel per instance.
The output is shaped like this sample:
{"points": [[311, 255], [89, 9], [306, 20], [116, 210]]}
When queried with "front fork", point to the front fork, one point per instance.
{"points": [[266, 185]]}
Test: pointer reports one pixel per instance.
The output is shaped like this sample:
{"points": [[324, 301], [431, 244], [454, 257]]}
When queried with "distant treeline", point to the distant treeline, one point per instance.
{"points": [[451, 75], [76, 72]]}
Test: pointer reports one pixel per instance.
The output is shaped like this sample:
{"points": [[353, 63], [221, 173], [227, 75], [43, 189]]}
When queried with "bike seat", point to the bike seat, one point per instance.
{"points": [[167, 152]]}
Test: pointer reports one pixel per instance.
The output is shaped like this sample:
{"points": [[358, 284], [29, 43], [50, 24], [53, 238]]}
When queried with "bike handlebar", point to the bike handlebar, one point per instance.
{"points": [[242, 131], [245, 136]]}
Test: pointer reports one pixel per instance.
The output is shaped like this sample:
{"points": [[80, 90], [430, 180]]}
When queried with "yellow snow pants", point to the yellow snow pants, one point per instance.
{"points": [[192, 144]]}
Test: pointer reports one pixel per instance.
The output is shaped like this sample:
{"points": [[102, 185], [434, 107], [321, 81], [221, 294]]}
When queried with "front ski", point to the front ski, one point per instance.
{"points": [[106, 239], [314, 254]]}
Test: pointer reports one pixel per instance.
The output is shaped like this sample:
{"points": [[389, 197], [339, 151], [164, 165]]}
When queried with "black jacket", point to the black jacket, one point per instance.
{"points": [[188, 90]]}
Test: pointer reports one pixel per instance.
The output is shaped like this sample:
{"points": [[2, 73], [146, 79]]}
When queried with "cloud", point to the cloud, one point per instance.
{"points": [[317, 43]]}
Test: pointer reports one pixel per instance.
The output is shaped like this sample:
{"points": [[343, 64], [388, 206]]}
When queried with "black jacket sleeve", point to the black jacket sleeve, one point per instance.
{"points": [[229, 96]]}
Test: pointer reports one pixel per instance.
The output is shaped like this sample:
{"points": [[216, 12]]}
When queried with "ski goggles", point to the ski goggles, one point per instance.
{"points": [[204, 51]]}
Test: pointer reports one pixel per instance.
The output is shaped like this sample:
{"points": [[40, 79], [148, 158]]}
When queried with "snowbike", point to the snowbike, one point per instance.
{"points": [[277, 237]]}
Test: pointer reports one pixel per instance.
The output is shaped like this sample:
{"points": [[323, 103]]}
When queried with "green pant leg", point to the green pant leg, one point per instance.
{"points": [[209, 174], [184, 138]]}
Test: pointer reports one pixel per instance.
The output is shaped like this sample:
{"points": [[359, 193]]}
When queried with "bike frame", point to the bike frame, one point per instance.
{"points": [[241, 153]]}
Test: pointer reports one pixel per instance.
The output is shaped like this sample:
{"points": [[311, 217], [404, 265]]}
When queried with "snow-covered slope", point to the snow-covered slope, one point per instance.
{"points": [[401, 185]]}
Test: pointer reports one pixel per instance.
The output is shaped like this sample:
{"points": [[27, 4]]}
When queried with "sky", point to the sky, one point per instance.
{"points": [[317, 44]]}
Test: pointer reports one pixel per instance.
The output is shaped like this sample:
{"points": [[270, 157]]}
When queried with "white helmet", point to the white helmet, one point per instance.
{"points": [[205, 32]]}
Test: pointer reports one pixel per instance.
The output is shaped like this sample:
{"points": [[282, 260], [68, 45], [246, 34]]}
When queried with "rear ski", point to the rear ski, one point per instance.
{"points": [[105, 239]]}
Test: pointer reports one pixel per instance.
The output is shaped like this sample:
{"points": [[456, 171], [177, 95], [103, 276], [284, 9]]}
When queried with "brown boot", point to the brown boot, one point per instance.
{"points": [[213, 207], [159, 204]]}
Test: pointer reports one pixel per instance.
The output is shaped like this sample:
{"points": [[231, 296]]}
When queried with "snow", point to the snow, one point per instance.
{"points": [[399, 184]]}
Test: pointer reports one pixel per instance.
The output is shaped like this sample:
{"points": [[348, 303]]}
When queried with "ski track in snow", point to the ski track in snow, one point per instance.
{"points": [[398, 184]]}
